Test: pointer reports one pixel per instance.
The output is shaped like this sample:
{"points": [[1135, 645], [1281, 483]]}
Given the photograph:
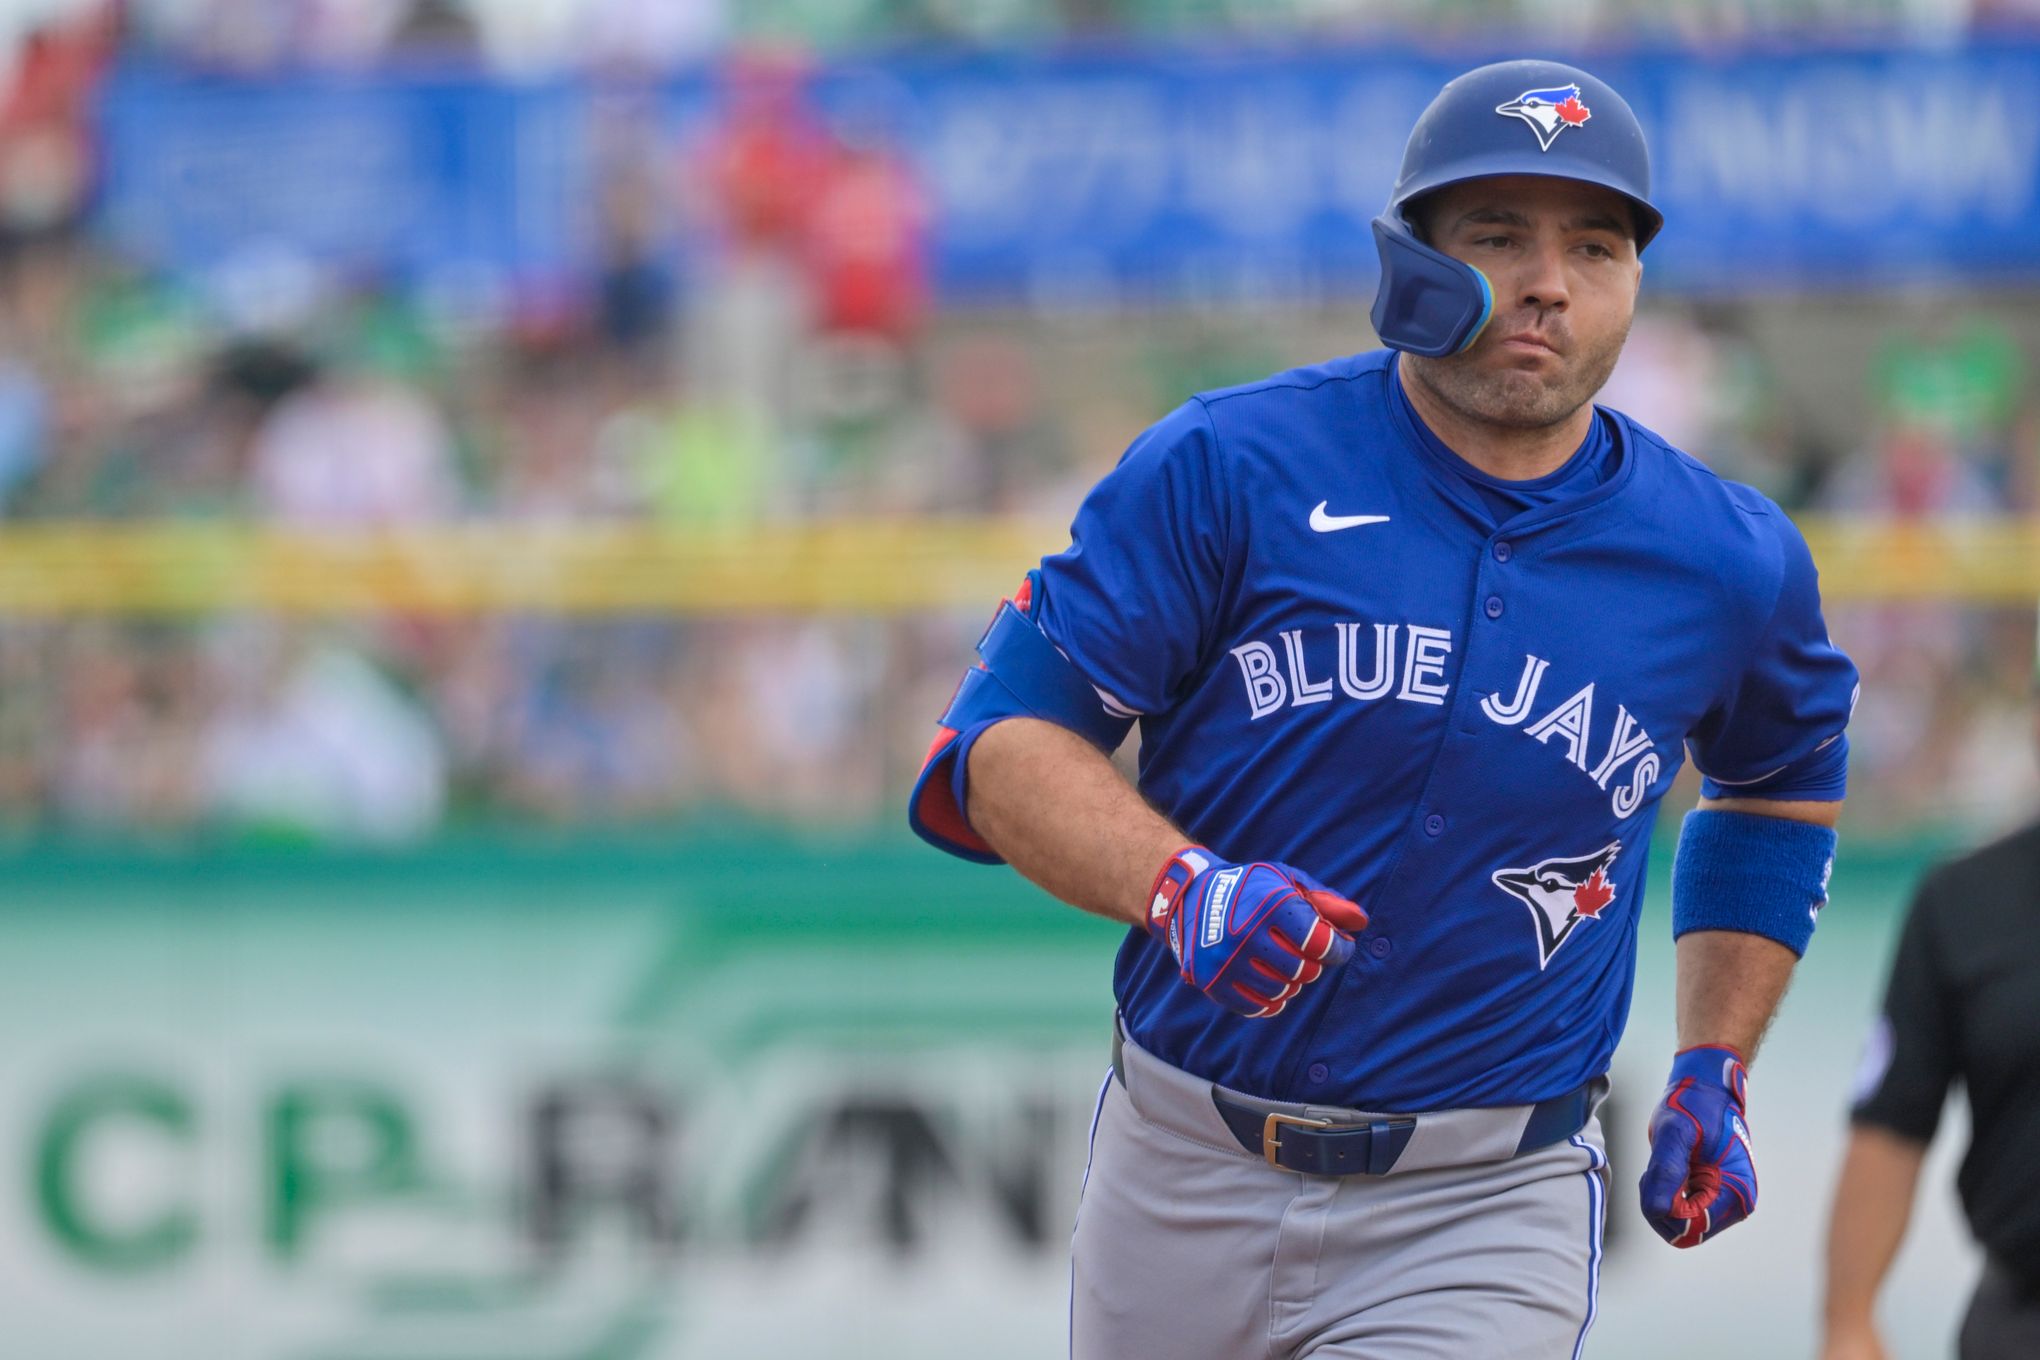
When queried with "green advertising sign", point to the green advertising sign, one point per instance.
{"points": [[721, 1096]]}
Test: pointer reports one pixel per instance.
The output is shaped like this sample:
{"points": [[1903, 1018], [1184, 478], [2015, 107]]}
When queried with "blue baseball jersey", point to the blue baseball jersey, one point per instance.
{"points": [[1457, 705]]}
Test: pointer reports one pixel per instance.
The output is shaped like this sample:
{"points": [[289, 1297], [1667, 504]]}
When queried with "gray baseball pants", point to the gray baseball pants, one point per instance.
{"points": [[1187, 1247]]}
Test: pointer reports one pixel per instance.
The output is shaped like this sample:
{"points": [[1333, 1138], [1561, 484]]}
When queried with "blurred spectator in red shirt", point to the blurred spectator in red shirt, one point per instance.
{"points": [[767, 160], [867, 244], [45, 135]]}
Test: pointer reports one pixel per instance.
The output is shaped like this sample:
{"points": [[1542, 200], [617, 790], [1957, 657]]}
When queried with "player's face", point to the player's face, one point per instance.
{"points": [[1561, 257]]}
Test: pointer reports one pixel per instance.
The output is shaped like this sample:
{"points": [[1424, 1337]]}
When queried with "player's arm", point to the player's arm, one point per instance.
{"points": [[1731, 981], [1749, 879], [1873, 1204], [1059, 811], [1020, 769], [1249, 936]]}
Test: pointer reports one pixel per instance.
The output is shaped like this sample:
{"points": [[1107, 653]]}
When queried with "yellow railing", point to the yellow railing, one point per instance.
{"points": [[860, 566], [1966, 560]]}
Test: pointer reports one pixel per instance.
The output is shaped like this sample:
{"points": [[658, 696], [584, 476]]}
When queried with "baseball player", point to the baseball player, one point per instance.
{"points": [[1416, 641]]}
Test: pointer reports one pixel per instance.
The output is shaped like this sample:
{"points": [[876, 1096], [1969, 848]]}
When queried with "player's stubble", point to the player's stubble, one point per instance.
{"points": [[1485, 386]]}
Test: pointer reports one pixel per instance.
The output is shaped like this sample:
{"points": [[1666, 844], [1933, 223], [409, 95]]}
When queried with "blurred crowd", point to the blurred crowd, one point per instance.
{"points": [[803, 373], [1893, 410], [525, 36], [799, 374]]}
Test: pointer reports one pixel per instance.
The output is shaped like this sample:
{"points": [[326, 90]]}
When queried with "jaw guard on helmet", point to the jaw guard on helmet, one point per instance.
{"points": [[1510, 118], [1428, 302]]}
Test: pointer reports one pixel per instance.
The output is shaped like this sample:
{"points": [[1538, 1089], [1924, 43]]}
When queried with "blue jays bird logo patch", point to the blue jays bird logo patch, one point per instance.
{"points": [[1548, 112], [1561, 893]]}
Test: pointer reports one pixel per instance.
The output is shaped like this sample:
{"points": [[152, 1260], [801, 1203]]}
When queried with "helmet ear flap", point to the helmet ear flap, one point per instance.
{"points": [[1428, 303]]}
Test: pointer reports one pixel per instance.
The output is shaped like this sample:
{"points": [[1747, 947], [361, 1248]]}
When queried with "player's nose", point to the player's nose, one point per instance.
{"points": [[1542, 282]]}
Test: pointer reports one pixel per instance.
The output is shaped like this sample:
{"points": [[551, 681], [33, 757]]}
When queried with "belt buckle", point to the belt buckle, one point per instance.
{"points": [[1271, 1137]]}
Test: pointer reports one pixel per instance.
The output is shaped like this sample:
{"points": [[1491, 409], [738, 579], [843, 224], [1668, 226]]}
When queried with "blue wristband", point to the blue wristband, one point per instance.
{"points": [[1760, 875]]}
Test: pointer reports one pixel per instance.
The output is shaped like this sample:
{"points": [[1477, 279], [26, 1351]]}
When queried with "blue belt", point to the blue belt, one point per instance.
{"points": [[1293, 1140], [1317, 1147]]}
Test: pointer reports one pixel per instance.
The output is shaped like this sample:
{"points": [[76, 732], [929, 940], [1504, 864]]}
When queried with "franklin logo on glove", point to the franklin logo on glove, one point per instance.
{"points": [[1222, 885]]}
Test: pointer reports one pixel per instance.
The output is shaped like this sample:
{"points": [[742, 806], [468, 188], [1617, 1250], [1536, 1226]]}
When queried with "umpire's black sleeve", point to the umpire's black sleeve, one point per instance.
{"points": [[1911, 1058]]}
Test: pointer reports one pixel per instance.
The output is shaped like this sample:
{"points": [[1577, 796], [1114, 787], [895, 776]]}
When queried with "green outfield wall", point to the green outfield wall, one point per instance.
{"points": [[702, 1093]]}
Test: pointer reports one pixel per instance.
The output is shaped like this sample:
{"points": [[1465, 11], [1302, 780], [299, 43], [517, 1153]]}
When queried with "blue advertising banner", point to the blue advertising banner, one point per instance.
{"points": [[1090, 178]]}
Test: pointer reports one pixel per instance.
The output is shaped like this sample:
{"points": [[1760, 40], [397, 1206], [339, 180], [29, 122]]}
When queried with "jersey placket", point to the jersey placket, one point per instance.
{"points": [[1499, 559]]}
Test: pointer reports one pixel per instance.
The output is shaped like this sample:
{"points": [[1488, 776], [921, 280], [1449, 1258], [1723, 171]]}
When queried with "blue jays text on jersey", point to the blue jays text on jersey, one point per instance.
{"points": [[1461, 714], [1273, 685]]}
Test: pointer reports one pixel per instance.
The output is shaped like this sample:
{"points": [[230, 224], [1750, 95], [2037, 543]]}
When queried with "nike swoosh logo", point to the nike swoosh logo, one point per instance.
{"points": [[1325, 523]]}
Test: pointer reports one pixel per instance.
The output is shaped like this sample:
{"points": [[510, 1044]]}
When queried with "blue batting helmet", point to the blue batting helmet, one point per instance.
{"points": [[1511, 118]]}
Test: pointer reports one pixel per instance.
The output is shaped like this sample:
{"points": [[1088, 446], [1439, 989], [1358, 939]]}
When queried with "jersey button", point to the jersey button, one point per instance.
{"points": [[1379, 947], [1503, 552], [1318, 1072], [1494, 606], [1434, 825]]}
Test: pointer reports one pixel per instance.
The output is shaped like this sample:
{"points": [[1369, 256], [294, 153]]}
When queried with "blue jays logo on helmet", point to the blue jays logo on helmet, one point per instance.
{"points": [[1548, 112], [1561, 893]]}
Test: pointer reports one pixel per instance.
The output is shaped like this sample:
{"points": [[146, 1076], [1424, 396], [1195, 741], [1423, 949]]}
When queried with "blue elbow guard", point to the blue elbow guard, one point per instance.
{"points": [[1760, 875], [1021, 674]]}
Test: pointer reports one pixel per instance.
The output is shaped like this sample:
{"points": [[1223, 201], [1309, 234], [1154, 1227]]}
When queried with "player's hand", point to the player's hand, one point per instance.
{"points": [[1701, 1178], [1249, 936]]}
